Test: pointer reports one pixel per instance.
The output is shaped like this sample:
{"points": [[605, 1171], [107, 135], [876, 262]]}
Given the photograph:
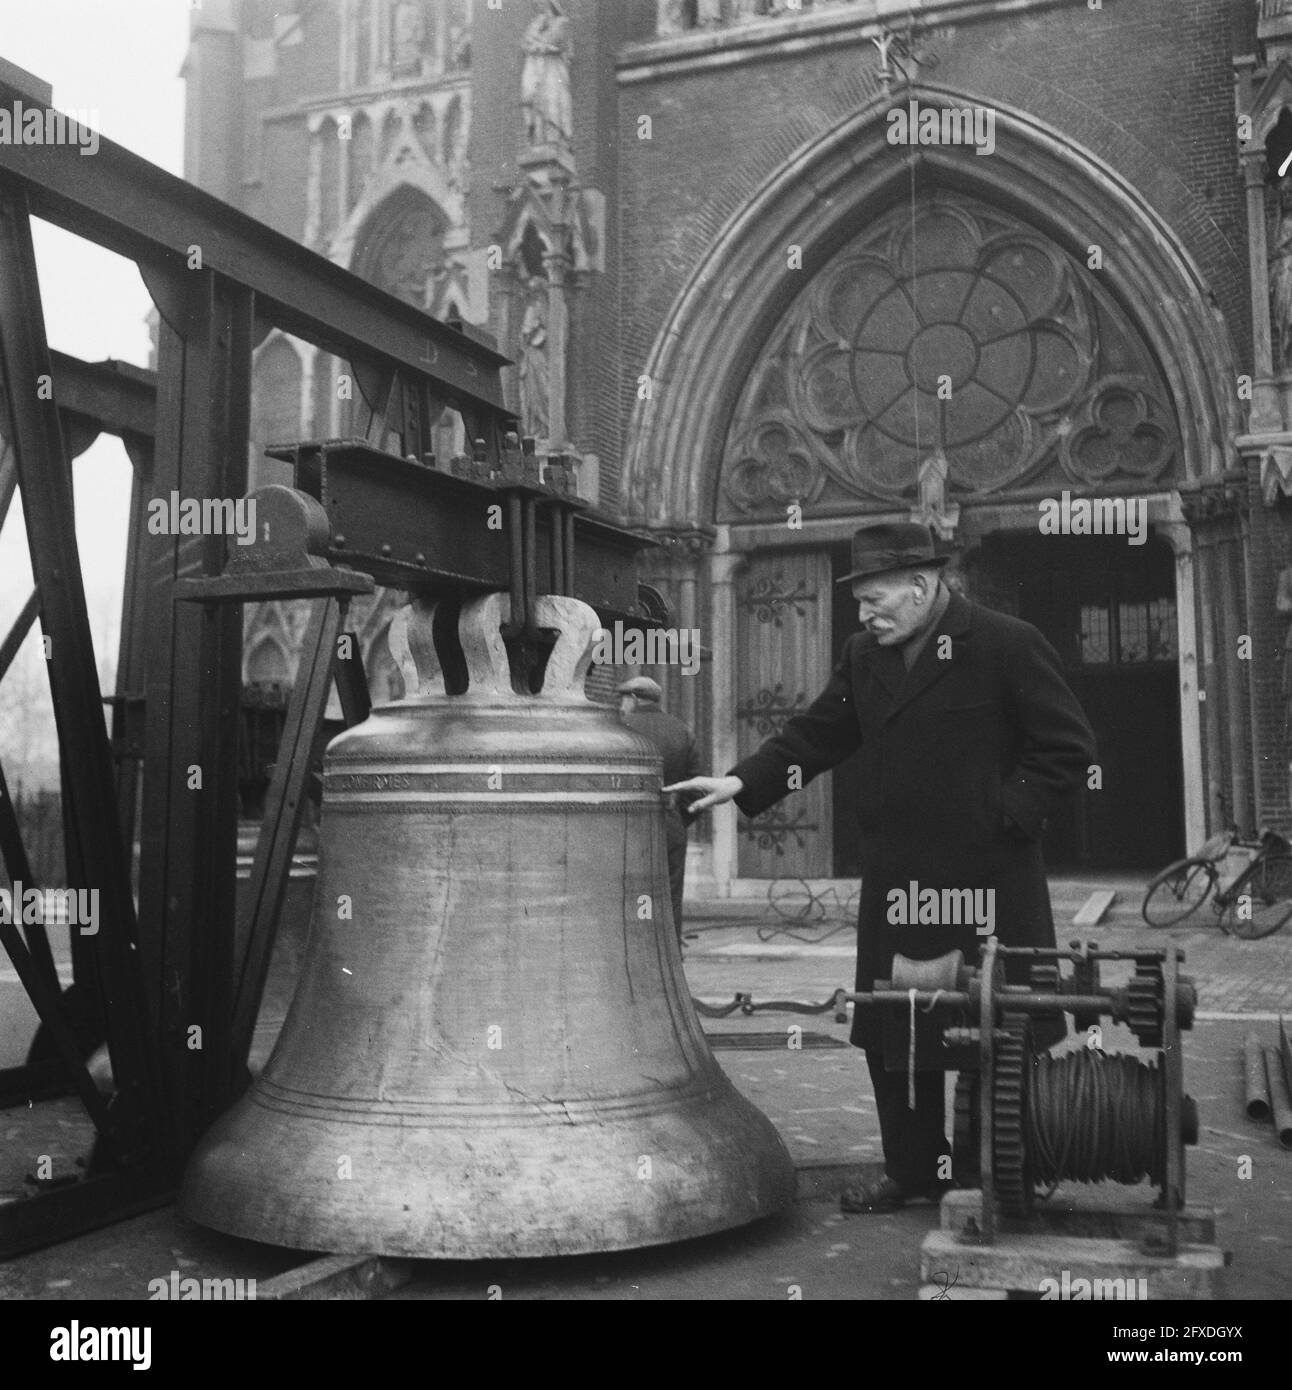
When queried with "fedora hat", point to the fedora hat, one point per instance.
{"points": [[891, 545]]}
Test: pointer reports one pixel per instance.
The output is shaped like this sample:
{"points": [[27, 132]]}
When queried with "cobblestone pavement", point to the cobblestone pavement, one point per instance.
{"points": [[725, 953], [819, 1097]]}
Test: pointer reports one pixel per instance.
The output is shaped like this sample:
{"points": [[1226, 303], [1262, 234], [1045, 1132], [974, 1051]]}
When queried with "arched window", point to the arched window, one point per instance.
{"points": [[948, 329], [275, 402], [268, 665], [401, 248]]}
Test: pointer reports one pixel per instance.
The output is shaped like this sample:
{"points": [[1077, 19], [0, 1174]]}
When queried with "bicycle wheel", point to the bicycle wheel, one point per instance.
{"points": [[1261, 901], [1180, 889]]}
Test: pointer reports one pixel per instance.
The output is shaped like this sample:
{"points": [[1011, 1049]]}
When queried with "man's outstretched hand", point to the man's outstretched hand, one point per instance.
{"points": [[709, 791]]}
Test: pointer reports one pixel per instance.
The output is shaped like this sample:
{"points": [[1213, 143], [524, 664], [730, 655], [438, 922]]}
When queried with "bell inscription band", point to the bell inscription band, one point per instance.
{"points": [[492, 1050]]}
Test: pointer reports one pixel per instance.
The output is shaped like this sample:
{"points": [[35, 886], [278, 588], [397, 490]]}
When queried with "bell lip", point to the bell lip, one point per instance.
{"points": [[757, 1181]]}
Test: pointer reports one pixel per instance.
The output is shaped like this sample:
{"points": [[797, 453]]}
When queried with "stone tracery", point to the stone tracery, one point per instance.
{"points": [[961, 334]]}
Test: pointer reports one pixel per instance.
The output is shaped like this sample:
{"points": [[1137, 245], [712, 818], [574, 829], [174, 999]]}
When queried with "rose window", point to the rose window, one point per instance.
{"points": [[957, 332]]}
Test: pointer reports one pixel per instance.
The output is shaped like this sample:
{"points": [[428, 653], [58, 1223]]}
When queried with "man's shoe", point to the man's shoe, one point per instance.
{"points": [[885, 1195]]}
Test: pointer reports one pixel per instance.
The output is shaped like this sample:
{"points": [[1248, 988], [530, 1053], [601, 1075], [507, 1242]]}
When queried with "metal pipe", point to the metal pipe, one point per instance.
{"points": [[1024, 1003], [1280, 1096], [1256, 1083]]}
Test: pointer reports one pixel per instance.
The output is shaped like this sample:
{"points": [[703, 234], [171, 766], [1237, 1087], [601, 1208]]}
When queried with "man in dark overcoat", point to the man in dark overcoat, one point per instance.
{"points": [[967, 735]]}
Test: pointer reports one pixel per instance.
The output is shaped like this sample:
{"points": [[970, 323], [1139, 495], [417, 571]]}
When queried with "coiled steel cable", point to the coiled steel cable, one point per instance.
{"points": [[1095, 1117]]}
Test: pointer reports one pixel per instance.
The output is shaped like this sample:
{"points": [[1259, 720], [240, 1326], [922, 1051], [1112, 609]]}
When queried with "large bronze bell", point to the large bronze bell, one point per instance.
{"points": [[492, 1050]]}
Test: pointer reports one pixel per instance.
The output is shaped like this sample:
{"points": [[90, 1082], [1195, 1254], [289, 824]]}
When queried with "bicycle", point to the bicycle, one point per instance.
{"points": [[1256, 904]]}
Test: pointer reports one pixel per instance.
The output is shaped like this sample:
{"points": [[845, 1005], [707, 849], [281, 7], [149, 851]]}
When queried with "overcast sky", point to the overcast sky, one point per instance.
{"points": [[118, 60]]}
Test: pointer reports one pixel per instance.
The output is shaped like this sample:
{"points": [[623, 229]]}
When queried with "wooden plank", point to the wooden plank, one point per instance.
{"points": [[1027, 1264], [1070, 1216], [35, 1081], [51, 1217], [1091, 912], [336, 1277]]}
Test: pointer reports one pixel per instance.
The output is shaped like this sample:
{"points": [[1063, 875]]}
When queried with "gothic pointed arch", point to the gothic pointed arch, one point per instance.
{"points": [[276, 377], [269, 663], [946, 334], [1058, 202], [401, 246]]}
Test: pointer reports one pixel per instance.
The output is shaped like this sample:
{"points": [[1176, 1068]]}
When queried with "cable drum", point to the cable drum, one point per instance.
{"points": [[1096, 1117]]}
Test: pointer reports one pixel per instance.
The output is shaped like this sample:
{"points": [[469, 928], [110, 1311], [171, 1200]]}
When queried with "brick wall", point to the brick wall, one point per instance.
{"points": [[1144, 86]]}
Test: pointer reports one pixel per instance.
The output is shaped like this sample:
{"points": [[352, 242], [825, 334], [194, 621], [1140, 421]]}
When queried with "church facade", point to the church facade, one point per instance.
{"points": [[772, 269]]}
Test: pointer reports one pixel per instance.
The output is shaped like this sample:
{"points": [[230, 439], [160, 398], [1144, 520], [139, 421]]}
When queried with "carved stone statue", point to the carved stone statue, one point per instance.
{"points": [[534, 375], [407, 35], [932, 508], [1280, 266], [459, 46], [545, 78]]}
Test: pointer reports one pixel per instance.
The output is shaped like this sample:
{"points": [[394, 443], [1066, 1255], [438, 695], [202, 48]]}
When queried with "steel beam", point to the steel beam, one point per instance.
{"points": [[428, 531], [123, 202], [85, 1206], [188, 833], [43, 474], [114, 397]]}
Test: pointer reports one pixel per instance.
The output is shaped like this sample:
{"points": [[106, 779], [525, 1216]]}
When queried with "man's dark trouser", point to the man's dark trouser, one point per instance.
{"points": [[914, 1140]]}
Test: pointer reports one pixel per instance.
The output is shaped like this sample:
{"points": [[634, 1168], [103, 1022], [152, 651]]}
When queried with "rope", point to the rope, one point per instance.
{"points": [[1096, 1117], [910, 1051], [910, 1054]]}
